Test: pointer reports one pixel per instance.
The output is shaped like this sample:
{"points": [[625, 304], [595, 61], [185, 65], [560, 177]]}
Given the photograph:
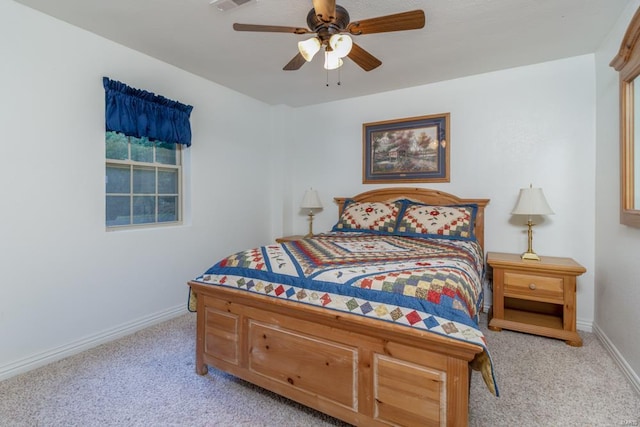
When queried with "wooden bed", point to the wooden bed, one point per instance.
{"points": [[360, 370]]}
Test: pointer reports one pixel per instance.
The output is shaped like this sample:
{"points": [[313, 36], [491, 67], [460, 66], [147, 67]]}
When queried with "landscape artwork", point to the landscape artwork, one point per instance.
{"points": [[406, 150]]}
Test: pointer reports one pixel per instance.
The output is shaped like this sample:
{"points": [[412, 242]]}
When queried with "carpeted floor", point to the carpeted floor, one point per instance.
{"points": [[148, 379]]}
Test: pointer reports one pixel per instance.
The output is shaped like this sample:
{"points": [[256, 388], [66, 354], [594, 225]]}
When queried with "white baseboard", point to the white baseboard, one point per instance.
{"points": [[622, 363], [583, 325], [58, 353]]}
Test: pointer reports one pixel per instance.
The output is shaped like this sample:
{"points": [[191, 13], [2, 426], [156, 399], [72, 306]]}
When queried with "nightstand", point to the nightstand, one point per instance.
{"points": [[289, 238], [536, 297]]}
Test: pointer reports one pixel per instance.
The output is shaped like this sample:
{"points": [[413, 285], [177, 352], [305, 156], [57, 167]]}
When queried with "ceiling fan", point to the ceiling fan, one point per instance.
{"points": [[330, 22]]}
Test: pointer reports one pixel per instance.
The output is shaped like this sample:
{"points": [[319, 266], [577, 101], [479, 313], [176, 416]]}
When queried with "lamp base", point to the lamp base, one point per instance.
{"points": [[310, 233], [531, 256]]}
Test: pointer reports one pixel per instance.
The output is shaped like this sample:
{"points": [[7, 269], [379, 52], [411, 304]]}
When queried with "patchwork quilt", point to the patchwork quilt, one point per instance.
{"points": [[427, 283]]}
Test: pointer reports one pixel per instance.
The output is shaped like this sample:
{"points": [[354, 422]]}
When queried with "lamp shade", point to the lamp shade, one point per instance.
{"points": [[311, 200], [331, 60], [308, 48], [341, 44], [531, 201]]}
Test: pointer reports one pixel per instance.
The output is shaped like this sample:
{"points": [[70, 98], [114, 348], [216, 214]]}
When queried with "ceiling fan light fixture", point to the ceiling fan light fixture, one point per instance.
{"points": [[341, 44], [309, 48], [332, 61], [332, 27]]}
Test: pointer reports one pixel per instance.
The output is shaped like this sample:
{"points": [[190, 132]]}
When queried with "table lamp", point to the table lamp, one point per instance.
{"points": [[530, 202], [311, 201]]}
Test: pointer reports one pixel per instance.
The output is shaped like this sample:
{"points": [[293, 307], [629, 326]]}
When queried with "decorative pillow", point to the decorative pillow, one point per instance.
{"points": [[379, 217], [453, 222]]}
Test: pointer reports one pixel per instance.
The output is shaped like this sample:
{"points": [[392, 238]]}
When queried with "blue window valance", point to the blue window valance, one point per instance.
{"points": [[139, 113]]}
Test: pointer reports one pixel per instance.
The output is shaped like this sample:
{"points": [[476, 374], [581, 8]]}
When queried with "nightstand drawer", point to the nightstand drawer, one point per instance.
{"points": [[533, 287]]}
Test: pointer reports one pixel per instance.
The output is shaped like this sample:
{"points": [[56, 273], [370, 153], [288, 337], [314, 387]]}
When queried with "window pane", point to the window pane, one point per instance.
{"points": [[117, 146], [141, 150], [144, 181], [118, 210], [166, 153], [144, 209], [134, 182], [167, 208], [167, 181], [118, 179]]}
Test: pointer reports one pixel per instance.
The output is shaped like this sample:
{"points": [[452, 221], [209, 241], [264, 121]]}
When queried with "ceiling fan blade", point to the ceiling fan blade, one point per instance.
{"points": [[325, 9], [364, 59], [411, 20], [295, 64], [270, 28]]}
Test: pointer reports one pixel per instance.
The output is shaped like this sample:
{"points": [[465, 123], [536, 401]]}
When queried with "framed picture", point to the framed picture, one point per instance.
{"points": [[415, 149]]}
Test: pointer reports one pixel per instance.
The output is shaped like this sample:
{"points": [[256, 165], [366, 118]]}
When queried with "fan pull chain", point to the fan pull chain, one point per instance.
{"points": [[339, 82]]}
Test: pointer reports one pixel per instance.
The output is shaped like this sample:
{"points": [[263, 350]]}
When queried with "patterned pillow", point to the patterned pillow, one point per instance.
{"points": [[452, 222], [379, 217]]}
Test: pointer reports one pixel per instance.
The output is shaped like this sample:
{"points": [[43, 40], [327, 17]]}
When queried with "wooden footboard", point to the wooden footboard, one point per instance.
{"points": [[363, 371]]}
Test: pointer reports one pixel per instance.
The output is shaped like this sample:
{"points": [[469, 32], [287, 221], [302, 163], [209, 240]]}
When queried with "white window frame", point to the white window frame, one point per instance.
{"points": [[156, 166]]}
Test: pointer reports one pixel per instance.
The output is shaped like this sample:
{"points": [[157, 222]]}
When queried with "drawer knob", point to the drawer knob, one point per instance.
{"points": [[532, 286]]}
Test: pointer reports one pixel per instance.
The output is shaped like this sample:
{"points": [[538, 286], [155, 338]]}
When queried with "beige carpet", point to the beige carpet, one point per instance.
{"points": [[148, 379]]}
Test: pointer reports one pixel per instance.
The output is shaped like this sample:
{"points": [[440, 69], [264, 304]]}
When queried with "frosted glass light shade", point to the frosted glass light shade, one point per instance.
{"points": [[309, 48], [332, 61], [341, 44], [531, 201]]}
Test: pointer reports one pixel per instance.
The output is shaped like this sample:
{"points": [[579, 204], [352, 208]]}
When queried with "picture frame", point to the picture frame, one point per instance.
{"points": [[414, 149]]}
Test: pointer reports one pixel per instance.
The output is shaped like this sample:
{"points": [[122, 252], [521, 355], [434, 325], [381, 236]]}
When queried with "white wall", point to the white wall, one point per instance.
{"points": [[64, 281], [617, 292], [510, 128]]}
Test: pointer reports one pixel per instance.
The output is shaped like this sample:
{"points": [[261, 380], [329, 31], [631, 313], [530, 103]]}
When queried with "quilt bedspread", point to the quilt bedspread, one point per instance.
{"points": [[432, 284]]}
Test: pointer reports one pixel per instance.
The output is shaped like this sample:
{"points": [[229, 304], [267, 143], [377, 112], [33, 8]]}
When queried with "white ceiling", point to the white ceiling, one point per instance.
{"points": [[460, 38]]}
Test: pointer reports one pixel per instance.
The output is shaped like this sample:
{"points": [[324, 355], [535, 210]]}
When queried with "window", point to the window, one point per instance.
{"points": [[143, 181], [627, 63]]}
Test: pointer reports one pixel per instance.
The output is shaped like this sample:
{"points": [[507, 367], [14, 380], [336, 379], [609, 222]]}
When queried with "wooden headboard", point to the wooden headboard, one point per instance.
{"points": [[422, 195]]}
